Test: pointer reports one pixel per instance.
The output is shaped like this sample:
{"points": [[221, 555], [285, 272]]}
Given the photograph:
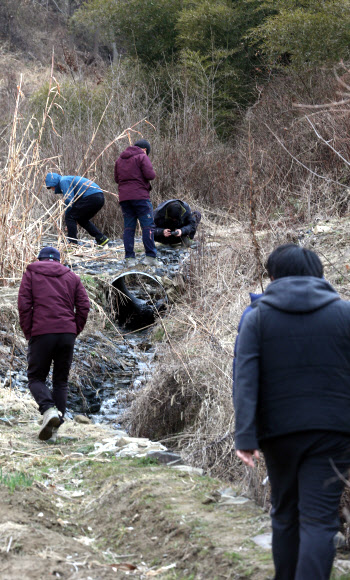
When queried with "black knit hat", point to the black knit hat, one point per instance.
{"points": [[143, 144], [49, 253]]}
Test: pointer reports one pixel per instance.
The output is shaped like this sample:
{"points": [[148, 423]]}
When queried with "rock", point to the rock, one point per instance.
{"points": [[263, 540], [342, 565], [166, 457], [82, 419], [227, 492], [234, 500], [339, 541]]}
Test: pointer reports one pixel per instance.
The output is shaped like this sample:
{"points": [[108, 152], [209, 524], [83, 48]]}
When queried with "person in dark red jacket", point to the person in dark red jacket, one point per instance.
{"points": [[133, 172], [53, 308]]}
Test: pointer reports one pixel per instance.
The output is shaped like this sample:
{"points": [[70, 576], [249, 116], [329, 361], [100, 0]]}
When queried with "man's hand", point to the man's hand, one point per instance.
{"points": [[178, 233], [247, 456], [166, 233]]}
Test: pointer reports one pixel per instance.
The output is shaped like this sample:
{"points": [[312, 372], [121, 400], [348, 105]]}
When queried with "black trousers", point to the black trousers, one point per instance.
{"points": [[305, 496], [42, 351], [81, 212]]}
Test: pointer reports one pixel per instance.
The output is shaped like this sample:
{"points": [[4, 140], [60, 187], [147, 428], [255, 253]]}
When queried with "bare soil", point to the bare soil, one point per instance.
{"points": [[87, 517], [66, 513]]}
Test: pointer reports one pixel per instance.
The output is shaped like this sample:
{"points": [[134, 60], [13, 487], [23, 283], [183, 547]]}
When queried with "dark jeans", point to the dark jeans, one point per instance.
{"points": [[305, 495], [42, 350], [142, 210], [80, 213], [172, 240]]}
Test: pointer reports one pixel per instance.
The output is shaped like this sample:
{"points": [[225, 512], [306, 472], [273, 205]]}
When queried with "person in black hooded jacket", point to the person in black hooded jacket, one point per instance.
{"points": [[292, 401], [175, 222]]}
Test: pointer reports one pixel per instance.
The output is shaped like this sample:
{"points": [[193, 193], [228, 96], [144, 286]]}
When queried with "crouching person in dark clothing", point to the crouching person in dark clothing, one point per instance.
{"points": [[292, 400], [83, 199], [175, 222], [53, 307]]}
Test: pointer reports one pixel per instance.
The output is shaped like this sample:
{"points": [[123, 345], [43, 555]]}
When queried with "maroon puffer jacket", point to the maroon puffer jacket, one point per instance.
{"points": [[51, 299], [133, 172]]}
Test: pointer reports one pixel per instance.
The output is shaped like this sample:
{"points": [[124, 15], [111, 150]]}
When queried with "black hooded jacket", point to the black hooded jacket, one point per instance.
{"points": [[187, 224], [293, 362]]}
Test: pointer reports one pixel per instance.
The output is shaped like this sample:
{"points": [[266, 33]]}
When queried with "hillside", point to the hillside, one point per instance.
{"points": [[251, 128]]}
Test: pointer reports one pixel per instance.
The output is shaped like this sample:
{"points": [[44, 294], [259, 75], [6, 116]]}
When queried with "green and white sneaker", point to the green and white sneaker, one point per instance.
{"points": [[151, 261], [51, 419]]}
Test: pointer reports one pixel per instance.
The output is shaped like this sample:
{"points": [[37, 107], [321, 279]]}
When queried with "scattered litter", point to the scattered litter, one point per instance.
{"points": [[160, 570], [188, 469]]}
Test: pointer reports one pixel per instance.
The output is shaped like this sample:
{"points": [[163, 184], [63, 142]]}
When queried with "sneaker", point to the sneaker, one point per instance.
{"points": [[151, 261], [130, 262], [51, 419], [53, 437], [102, 241]]}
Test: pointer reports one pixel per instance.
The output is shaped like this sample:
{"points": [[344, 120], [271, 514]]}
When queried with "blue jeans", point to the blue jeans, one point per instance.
{"points": [[142, 210]]}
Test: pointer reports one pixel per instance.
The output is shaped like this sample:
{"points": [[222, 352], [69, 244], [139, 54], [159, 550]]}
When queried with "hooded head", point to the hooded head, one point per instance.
{"points": [[53, 180], [143, 144], [292, 260], [174, 211], [49, 253]]}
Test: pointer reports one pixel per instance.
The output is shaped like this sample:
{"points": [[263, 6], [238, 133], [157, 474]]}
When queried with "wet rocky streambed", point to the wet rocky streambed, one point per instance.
{"points": [[110, 365]]}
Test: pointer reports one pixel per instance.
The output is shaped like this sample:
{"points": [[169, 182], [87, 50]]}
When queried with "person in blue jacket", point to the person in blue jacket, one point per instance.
{"points": [[292, 401], [83, 199]]}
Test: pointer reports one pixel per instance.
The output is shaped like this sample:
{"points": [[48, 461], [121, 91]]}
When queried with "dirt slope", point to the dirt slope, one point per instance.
{"points": [[97, 517]]}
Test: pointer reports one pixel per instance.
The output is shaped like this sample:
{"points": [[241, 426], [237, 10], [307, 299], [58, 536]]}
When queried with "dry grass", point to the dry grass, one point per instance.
{"points": [[188, 404]]}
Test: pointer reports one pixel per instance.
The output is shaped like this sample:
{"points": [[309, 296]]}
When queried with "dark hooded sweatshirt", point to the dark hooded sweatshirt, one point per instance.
{"points": [[133, 172], [293, 362], [187, 224], [51, 299]]}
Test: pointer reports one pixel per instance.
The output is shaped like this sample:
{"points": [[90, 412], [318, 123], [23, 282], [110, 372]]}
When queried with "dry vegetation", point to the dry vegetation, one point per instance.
{"points": [[283, 169]]}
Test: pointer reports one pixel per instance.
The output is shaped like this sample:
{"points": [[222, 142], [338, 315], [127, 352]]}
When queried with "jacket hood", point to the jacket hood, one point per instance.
{"points": [[131, 152], [48, 268], [254, 297], [299, 294], [53, 180], [166, 203]]}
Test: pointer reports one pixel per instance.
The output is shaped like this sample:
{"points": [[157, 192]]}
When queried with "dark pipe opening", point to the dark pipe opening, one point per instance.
{"points": [[139, 298]]}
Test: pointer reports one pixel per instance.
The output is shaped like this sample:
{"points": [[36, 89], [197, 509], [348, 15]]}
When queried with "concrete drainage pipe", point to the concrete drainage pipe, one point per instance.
{"points": [[138, 299]]}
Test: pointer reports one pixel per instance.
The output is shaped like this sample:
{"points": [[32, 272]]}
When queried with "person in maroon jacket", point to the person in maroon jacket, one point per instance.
{"points": [[53, 308], [133, 172]]}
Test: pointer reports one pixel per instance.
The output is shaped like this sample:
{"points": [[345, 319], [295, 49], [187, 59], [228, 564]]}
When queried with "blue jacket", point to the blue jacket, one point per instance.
{"points": [[253, 298], [293, 362], [72, 187]]}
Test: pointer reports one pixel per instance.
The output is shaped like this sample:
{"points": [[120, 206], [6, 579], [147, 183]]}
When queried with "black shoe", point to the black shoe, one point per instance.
{"points": [[102, 241]]}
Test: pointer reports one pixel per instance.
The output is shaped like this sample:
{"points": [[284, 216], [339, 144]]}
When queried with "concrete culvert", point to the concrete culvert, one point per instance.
{"points": [[138, 300]]}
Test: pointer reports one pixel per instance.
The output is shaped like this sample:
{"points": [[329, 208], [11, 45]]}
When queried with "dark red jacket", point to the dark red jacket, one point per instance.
{"points": [[51, 299], [133, 172]]}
